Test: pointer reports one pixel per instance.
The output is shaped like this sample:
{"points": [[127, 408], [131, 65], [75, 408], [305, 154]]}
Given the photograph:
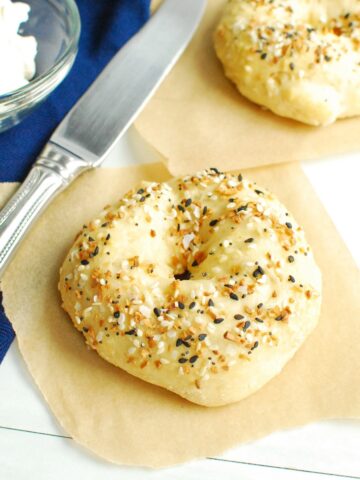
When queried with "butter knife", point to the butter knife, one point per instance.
{"points": [[100, 117]]}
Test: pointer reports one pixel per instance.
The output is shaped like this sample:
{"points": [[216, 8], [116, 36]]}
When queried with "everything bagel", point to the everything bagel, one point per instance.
{"points": [[298, 58], [204, 285]]}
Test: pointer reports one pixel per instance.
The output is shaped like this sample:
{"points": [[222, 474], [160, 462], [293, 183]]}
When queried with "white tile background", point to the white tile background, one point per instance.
{"points": [[33, 445]]}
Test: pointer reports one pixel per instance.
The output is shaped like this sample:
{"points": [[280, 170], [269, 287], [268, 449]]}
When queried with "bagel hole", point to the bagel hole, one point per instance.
{"points": [[186, 275]]}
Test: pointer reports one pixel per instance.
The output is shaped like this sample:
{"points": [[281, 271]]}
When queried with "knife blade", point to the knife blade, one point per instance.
{"points": [[100, 117], [111, 103]]}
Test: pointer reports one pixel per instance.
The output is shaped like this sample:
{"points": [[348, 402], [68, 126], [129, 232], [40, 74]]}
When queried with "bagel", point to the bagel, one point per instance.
{"points": [[203, 285], [298, 58]]}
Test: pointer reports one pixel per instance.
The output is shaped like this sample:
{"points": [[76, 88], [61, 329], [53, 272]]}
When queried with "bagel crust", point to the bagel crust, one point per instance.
{"points": [[298, 58], [204, 285]]}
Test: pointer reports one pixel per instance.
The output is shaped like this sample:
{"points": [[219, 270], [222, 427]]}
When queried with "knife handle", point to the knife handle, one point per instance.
{"points": [[51, 174]]}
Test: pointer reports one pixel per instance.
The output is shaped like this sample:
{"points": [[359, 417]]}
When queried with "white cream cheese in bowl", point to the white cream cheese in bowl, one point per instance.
{"points": [[17, 53]]}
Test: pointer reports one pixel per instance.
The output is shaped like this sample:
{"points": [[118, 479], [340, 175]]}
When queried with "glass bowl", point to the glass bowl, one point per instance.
{"points": [[56, 26]]}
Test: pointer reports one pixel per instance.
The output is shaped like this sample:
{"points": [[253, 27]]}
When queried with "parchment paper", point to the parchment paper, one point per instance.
{"points": [[128, 421], [198, 113]]}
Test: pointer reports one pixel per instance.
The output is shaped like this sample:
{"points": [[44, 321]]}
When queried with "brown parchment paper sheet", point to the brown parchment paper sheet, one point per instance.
{"points": [[198, 113], [128, 421]]}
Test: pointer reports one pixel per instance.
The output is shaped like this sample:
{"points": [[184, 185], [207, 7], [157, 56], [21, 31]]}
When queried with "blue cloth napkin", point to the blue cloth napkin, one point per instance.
{"points": [[106, 26]]}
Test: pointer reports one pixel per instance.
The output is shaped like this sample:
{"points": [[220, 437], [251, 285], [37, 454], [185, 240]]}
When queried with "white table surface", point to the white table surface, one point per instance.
{"points": [[34, 446]]}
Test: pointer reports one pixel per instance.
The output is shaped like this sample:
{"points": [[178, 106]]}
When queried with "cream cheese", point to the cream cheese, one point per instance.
{"points": [[17, 53]]}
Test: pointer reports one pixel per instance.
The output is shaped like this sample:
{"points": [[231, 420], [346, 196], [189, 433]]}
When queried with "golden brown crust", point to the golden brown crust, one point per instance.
{"points": [[204, 285], [300, 59]]}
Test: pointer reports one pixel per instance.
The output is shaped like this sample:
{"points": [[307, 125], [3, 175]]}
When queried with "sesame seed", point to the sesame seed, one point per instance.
{"points": [[202, 336], [258, 272], [246, 325], [130, 332], [188, 202], [288, 224], [291, 259], [233, 296], [291, 279], [187, 240], [238, 316], [242, 208], [193, 358], [182, 360], [218, 320], [192, 305], [84, 262], [144, 310], [157, 311], [183, 276], [213, 223], [249, 240]]}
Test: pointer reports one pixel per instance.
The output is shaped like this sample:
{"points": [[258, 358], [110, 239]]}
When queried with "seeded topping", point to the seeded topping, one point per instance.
{"points": [[284, 35], [220, 285], [279, 52]]}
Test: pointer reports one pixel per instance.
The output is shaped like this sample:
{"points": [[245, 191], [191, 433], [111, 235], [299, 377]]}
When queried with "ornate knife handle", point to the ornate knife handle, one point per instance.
{"points": [[53, 172]]}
